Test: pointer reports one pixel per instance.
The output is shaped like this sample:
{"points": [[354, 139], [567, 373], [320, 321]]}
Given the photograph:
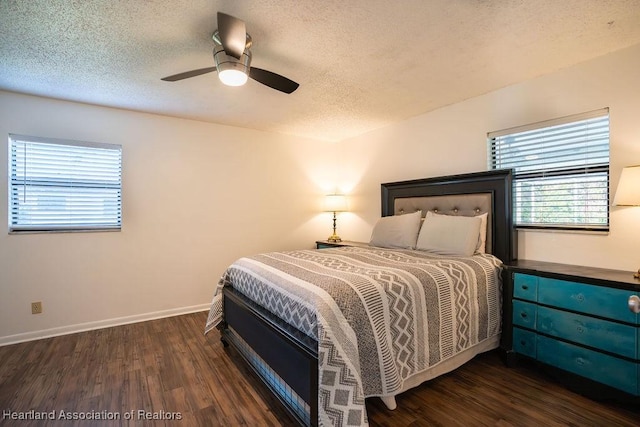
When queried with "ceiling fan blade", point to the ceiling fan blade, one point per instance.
{"points": [[188, 74], [273, 80], [233, 34]]}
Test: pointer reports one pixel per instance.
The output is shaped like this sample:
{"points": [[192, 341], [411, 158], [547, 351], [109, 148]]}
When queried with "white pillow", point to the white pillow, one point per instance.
{"points": [[397, 231], [449, 235], [482, 239]]}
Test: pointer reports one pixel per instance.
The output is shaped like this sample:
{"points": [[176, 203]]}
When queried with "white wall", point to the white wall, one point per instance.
{"points": [[452, 140], [195, 197]]}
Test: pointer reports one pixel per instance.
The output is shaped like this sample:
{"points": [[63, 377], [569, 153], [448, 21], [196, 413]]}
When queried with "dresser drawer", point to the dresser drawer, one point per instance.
{"points": [[617, 373], [525, 286], [609, 336], [589, 299], [524, 342], [524, 314]]}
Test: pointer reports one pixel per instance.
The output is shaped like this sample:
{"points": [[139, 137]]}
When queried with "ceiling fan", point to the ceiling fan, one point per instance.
{"points": [[232, 56]]}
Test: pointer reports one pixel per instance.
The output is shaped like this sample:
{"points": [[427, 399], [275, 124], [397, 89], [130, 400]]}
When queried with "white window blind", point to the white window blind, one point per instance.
{"points": [[561, 171], [58, 185]]}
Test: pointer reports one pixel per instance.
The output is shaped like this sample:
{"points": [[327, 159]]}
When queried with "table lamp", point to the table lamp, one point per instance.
{"points": [[335, 203], [628, 192]]}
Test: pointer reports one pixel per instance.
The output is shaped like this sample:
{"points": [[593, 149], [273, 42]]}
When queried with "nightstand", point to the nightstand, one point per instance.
{"points": [[324, 244], [578, 323]]}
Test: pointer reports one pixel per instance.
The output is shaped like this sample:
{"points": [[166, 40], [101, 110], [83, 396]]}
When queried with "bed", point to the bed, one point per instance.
{"points": [[326, 329]]}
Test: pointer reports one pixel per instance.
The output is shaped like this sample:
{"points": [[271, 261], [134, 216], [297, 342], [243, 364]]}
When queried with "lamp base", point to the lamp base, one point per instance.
{"points": [[334, 238]]}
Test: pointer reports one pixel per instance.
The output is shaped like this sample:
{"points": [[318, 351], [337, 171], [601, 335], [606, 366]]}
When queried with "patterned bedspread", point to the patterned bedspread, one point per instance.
{"points": [[380, 316]]}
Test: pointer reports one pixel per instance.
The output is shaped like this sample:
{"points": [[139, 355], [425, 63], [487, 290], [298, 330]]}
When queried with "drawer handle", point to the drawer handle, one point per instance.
{"points": [[580, 329], [634, 304], [525, 287], [580, 298], [580, 361], [523, 315]]}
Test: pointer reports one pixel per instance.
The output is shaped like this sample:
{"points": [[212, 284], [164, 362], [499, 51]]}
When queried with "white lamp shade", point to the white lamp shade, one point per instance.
{"points": [[335, 203], [628, 192]]}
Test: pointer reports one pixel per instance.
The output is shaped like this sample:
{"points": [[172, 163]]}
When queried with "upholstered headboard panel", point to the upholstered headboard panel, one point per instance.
{"points": [[470, 194], [454, 204]]}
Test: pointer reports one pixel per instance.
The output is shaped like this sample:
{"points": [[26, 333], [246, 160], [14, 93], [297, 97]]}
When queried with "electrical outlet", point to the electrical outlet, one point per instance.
{"points": [[36, 307]]}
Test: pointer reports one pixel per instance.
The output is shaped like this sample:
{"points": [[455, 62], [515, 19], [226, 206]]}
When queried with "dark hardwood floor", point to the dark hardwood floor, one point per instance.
{"points": [[167, 368]]}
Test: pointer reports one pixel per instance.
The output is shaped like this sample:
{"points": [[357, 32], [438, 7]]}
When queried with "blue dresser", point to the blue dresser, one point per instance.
{"points": [[579, 320]]}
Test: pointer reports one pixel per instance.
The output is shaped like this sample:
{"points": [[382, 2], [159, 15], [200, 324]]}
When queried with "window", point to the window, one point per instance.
{"points": [[561, 171], [57, 185]]}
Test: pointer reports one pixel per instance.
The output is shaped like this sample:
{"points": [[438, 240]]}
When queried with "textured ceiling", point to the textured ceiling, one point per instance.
{"points": [[361, 64]]}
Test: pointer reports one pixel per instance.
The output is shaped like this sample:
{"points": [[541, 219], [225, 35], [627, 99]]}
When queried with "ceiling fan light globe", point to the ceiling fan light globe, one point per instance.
{"points": [[232, 77]]}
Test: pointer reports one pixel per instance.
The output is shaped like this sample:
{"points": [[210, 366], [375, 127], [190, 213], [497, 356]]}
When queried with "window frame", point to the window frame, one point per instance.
{"points": [[568, 173], [107, 222]]}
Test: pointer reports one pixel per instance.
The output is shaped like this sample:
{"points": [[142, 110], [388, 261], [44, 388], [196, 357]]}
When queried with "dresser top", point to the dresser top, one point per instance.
{"points": [[618, 278]]}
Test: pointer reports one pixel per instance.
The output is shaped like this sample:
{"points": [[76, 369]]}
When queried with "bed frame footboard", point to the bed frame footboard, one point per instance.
{"points": [[285, 359]]}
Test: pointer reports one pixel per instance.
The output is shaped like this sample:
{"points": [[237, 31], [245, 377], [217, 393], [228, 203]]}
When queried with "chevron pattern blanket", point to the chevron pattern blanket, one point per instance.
{"points": [[379, 316]]}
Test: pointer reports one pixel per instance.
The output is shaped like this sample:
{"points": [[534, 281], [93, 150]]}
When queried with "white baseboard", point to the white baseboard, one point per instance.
{"points": [[81, 327]]}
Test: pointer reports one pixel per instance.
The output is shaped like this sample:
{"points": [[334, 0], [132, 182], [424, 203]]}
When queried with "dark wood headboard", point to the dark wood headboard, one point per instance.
{"points": [[497, 183]]}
